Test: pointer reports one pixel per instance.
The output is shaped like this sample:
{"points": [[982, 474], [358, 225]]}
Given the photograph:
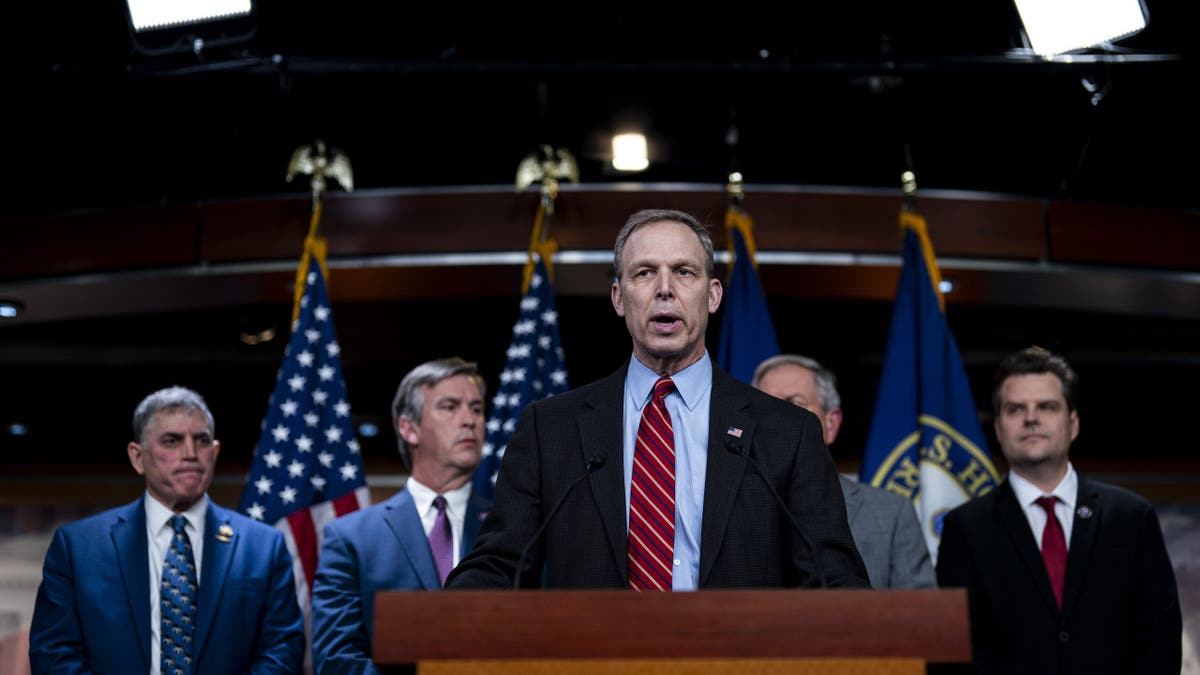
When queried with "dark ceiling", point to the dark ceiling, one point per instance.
{"points": [[439, 94], [445, 94]]}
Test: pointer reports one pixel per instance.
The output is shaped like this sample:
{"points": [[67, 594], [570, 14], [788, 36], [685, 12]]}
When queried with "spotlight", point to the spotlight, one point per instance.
{"points": [[1058, 26], [160, 27]]}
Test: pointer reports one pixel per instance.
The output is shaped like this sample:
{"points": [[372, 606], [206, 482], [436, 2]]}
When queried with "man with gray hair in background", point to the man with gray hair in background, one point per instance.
{"points": [[170, 583], [884, 525], [412, 540]]}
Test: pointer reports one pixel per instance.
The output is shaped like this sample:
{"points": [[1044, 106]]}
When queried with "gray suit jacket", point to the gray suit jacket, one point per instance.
{"points": [[889, 537], [745, 539]]}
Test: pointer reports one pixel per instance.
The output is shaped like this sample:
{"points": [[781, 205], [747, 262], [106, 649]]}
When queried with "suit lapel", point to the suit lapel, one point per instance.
{"points": [[218, 555], [477, 508], [405, 523], [1084, 530], [1016, 526], [132, 551], [724, 472], [852, 493], [600, 430]]}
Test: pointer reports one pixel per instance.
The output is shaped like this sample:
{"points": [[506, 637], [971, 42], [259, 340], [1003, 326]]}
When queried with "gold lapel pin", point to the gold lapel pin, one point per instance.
{"points": [[224, 533]]}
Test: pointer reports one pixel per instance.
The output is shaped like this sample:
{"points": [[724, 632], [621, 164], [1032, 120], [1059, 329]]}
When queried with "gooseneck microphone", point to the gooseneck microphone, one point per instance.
{"points": [[735, 446], [594, 462]]}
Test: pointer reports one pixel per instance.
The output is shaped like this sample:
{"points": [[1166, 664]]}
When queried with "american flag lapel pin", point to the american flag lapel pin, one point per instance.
{"points": [[734, 431]]}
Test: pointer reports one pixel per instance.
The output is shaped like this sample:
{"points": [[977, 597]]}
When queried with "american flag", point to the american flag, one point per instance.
{"points": [[307, 467], [533, 370]]}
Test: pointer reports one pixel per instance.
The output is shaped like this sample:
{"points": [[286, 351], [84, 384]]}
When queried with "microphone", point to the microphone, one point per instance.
{"points": [[594, 462], [735, 446]]}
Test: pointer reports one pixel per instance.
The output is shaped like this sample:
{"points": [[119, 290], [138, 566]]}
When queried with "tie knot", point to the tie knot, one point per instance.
{"points": [[662, 387], [178, 523], [439, 503], [1047, 503]]}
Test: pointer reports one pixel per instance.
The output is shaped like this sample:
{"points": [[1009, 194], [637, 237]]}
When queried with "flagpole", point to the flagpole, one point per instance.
{"points": [[553, 166], [307, 465], [747, 332], [534, 366]]}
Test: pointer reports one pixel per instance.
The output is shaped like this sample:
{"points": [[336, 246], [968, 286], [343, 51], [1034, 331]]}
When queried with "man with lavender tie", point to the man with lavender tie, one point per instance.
{"points": [[412, 540]]}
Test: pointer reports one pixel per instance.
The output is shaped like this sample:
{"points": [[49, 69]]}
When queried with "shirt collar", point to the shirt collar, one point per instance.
{"points": [[423, 496], [690, 383], [158, 516], [1028, 493]]}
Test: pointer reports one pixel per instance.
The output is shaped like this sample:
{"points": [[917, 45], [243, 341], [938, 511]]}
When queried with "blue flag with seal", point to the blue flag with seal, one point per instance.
{"points": [[747, 334], [925, 442]]}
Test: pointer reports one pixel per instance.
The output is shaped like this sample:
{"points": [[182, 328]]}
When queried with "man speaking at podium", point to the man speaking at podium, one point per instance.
{"points": [[668, 474]]}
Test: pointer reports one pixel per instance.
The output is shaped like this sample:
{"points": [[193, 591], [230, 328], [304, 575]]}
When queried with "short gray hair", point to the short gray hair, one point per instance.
{"points": [[171, 398], [647, 216], [826, 381], [410, 395]]}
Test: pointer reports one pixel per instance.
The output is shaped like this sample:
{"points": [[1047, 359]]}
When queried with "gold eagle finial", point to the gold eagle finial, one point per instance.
{"points": [[314, 161], [548, 168]]}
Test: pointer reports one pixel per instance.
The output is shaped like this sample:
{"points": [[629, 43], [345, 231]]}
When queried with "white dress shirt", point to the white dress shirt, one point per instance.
{"points": [[1065, 494]]}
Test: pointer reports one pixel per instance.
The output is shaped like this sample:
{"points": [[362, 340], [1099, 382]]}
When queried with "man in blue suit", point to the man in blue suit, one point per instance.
{"points": [[171, 583], [414, 539]]}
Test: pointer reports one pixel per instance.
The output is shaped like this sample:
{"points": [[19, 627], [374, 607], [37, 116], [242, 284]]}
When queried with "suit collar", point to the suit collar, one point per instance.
{"points": [[477, 510], [133, 553], [400, 514], [727, 416]]}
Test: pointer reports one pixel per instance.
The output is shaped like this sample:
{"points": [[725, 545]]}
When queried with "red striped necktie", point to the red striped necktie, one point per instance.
{"points": [[652, 496]]}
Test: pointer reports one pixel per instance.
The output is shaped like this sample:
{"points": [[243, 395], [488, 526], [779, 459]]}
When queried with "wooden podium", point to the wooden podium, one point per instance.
{"points": [[619, 631]]}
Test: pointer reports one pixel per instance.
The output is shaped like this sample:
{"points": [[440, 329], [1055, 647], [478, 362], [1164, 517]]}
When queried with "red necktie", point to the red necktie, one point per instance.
{"points": [[652, 496], [1054, 548]]}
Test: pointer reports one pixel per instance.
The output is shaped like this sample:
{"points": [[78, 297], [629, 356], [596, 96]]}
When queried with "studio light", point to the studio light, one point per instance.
{"points": [[1059, 26], [158, 14], [165, 26], [629, 152]]}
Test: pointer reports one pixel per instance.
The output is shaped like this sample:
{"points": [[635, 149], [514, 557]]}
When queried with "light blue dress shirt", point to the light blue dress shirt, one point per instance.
{"points": [[689, 406]]}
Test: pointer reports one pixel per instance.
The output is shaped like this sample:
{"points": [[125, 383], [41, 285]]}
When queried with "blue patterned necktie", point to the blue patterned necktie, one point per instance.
{"points": [[178, 602]]}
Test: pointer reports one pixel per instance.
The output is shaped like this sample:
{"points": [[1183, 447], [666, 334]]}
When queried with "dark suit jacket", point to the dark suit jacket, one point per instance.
{"points": [[380, 548], [745, 539], [889, 537], [1120, 605], [93, 607]]}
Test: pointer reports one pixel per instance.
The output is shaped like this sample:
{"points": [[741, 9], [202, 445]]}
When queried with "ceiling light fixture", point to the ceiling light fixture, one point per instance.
{"points": [[1058, 26], [629, 152], [10, 309]]}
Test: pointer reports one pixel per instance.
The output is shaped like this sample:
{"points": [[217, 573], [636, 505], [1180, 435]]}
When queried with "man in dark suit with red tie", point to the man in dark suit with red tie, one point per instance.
{"points": [[1064, 574], [668, 465]]}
